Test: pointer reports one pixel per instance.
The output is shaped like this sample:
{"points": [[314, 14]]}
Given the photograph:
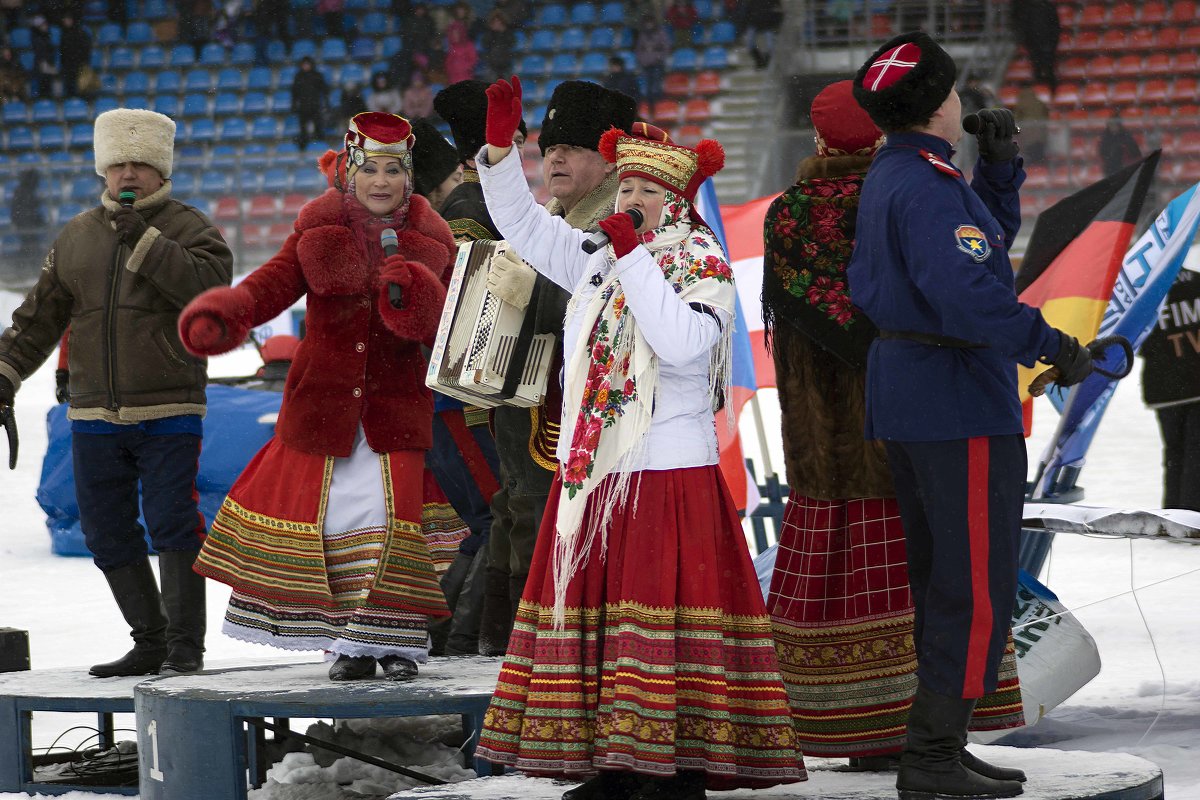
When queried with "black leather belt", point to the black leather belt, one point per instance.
{"points": [[931, 339]]}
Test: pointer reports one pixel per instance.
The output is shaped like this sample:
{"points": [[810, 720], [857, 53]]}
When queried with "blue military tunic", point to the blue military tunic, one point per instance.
{"points": [[931, 258]]}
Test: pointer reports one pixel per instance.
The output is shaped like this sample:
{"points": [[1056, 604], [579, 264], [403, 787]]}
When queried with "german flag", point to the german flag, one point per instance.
{"points": [[1075, 254]]}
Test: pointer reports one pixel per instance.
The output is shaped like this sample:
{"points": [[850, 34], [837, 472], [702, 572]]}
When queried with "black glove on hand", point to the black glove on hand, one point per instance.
{"points": [[996, 136], [1074, 362], [130, 226], [62, 385], [7, 392]]}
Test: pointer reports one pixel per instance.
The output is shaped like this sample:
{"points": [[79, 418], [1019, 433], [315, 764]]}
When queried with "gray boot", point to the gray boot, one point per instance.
{"points": [[183, 595], [136, 593]]}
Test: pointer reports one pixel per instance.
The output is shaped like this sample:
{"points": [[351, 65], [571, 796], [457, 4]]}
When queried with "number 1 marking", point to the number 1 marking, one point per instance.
{"points": [[152, 732]]}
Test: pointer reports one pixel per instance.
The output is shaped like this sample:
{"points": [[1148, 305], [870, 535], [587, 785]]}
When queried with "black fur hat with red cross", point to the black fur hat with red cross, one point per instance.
{"points": [[905, 81]]}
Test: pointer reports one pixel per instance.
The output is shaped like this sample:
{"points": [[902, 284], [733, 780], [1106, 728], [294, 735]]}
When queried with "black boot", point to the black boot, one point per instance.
{"points": [[516, 588], [930, 766], [683, 785], [398, 668], [607, 785], [495, 623], [352, 668], [873, 763], [183, 595], [977, 764], [137, 596]]}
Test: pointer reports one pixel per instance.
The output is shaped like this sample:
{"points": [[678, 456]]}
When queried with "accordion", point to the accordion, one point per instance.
{"points": [[486, 352]]}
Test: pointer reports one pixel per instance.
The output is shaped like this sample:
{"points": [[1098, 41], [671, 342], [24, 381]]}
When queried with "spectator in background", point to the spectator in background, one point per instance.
{"points": [[1037, 28], [651, 46], [196, 19], [271, 15], [1118, 148], [10, 16], [498, 43], [460, 19], [76, 47], [28, 217], [352, 102], [228, 24], [310, 96], [763, 18], [383, 97], [1034, 118], [45, 58], [461, 55], [513, 10], [418, 97], [637, 9], [419, 34], [437, 172], [332, 12], [622, 80], [14, 80], [682, 17], [118, 12]]}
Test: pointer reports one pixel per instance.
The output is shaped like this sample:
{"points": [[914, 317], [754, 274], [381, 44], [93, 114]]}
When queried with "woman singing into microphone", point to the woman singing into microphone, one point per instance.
{"points": [[320, 537], [642, 657]]}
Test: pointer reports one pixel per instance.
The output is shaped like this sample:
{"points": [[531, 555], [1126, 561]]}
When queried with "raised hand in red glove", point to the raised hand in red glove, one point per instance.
{"points": [[204, 331], [503, 112], [621, 233]]}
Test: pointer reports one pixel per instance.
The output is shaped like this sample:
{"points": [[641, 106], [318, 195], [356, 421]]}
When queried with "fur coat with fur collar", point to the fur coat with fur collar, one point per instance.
{"points": [[360, 361], [817, 341]]}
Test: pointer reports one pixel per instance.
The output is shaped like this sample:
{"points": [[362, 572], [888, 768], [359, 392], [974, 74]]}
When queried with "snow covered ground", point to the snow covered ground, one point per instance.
{"points": [[1136, 598]]}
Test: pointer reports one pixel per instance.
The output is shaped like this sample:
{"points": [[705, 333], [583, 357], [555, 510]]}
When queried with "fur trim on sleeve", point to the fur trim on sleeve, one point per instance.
{"points": [[423, 299], [229, 305]]}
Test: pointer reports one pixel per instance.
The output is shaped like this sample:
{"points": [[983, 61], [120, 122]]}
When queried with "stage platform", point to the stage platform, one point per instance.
{"points": [[197, 733], [1053, 775]]}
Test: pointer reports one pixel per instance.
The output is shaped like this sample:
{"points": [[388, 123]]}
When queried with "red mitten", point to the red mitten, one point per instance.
{"points": [[621, 233], [422, 299], [396, 270], [503, 112], [215, 322]]}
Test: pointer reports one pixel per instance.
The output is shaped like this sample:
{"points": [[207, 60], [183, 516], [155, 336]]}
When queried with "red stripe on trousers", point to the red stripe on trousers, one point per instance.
{"points": [[477, 465], [977, 536]]}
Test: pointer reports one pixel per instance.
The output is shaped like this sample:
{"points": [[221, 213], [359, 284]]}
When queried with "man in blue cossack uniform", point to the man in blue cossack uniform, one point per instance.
{"points": [[931, 270]]}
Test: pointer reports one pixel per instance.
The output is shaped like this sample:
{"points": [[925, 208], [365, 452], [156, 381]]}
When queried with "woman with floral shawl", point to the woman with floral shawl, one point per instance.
{"points": [[840, 602], [641, 650]]}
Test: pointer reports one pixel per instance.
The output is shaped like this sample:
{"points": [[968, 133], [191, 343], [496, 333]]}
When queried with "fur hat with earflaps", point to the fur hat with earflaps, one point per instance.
{"points": [[648, 152], [434, 159], [905, 81], [134, 134], [579, 112], [464, 107]]}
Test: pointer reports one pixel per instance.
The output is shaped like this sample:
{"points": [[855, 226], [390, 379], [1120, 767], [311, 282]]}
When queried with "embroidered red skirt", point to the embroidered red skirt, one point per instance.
{"points": [[665, 661], [842, 613]]}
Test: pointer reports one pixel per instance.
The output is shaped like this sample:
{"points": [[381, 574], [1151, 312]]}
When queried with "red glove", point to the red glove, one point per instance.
{"points": [[396, 270], [205, 331], [503, 112], [621, 233]]}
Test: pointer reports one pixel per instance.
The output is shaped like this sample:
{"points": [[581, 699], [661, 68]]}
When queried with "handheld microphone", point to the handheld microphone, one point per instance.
{"points": [[391, 246], [972, 124], [600, 238], [127, 198]]}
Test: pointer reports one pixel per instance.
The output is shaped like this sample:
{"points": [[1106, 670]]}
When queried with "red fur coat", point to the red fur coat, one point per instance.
{"points": [[360, 360]]}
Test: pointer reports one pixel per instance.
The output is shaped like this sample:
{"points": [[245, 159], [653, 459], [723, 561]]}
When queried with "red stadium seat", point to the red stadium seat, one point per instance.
{"points": [[697, 110], [1158, 64], [708, 83], [1093, 16], [1154, 92], [1085, 42], [1123, 93], [1167, 39], [1183, 90], [1020, 70], [1129, 66], [256, 236], [1153, 13], [1142, 39], [689, 135], [227, 209], [1189, 38], [1122, 15], [1188, 144], [1183, 12], [1094, 94], [1043, 93], [1007, 96], [1036, 177], [1114, 41], [666, 112], [1067, 15], [1073, 69], [1101, 68], [292, 203], [1134, 116], [1067, 95], [1058, 178], [1186, 113], [278, 233], [677, 84], [262, 206], [1185, 63]]}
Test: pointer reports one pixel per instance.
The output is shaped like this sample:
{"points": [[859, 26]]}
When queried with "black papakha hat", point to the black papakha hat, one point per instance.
{"points": [[434, 159], [580, 112], [464, 107], [905, 81]]}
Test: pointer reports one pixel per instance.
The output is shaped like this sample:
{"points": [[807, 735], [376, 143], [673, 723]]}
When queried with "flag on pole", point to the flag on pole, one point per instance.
{"points": [[1147, 273]]}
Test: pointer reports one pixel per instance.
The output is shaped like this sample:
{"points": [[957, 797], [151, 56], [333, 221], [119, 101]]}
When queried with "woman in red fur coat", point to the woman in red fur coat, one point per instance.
{"points": [[320, 537]]}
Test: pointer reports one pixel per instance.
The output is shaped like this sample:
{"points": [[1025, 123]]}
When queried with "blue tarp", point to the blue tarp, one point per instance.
{"points": [[234, 430]]}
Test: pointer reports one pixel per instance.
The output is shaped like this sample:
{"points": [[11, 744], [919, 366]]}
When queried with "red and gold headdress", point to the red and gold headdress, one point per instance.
{"points": [[648, 152], [375, 133]]}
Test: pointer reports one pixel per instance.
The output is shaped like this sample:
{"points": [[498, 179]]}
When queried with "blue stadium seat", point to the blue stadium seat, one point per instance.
{"points": [[277, 180], [168, 82], [156, 9], [254, 103], [264, 129], [45, 111], [135, 82], [26, 59], [136, 101], [5, 216], [20, 39], [233, 129], [334, 50], [684, 60], [722, 32], [229, 80], [255, 150], [109, 34], [351, 73], [223, 156], [183, 55], [309, 180], [707, 9], [80, 135], [553, 15], [287, 74], [613, 13], [573, 39], [242, 53], [121, 58], [201, 130], [182, 184], [72, 210], [167, 104], [259, 78], [198, 80], [152, 57], [302, 48], [281, 101], [583, 14], [543, 39], [227, 104], [10, 244], [594, 64], [103, 104], [200, 204], [108, 83], [534, 118], [276, 52], [29, 157], [75, 109], [212, 55], [15, 111], [291, 127], [626, 44], [716, 57], [532, 90], [84, 188], [62, 162], [52, 137], [139, 33], [391, 46], [287, 150], [564, 65], [532, 65], [364, 50], [602, 39], [195, 105], [374, 24], [215, 183]]}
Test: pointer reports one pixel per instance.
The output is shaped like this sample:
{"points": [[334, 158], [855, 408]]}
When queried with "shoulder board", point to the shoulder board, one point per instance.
{"points": [[940, 164]]}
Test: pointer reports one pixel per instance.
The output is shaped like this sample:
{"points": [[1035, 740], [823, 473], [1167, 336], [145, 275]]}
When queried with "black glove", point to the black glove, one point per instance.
{"points": [[996, 135], [62, 385], [1074, 361], [130, 226], [7, 392]]}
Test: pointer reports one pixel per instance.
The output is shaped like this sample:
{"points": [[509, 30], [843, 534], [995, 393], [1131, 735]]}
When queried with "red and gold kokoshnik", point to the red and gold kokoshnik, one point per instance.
{"points": [[648, 152]]}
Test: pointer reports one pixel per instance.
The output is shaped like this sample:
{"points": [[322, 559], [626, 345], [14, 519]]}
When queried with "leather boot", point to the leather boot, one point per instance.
{"points": [[931, 766], [183, 593], [683, 785], [352, 668], [398, 668], [977, 764], [495, 624], [136, 593], [608, 785]]}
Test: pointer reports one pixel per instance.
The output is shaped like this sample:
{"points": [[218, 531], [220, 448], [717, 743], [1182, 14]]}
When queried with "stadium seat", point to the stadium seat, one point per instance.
{"points": [[543, 40], [333, 50], [1020, 70], [309, 181], [20, 38], [121, 58], [108, 83], [1183, 12], [677, 84], [1189, 38], [15, 112], [574, 39], [44, 111], [198, 80], [139, 33], [1092, 16], [229, 80], [552, 16], [291, 127], [182, 184], [195, 105], [583, 14], [364, 50], [182, 55], [85, 188], [1153, 92], [292, 203], [715, 57], [264, 129], [262, 206], [281, 101], [75, 109], [1157, 64], [1067, 95], [613, 13], [156, 9], [722, 32], [1094, 94], [684, 60], [708, 83], [227, 209], [212, 55], [167, 104], [152, 57], [1007, 96], [241, 54], [564, 65], [302, 48], [533, 65], [1085, 42], [20, 138], [168, 82], [593, 64], [259, 78], [688, 135], [1142, 39], [255, 236], [1123, 93], [81, 135], [278, 232], [1183, 90], [52, 137], [108, 35], [276, 52], [254, 103], [135, 83], [665, 113], [697, 110], [277, 180], [227, 104], [201, 130], [233, 129], [391, 46], [215, 183], [351, 73], [1186, 63], [1113, 40], [374, 24]]}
